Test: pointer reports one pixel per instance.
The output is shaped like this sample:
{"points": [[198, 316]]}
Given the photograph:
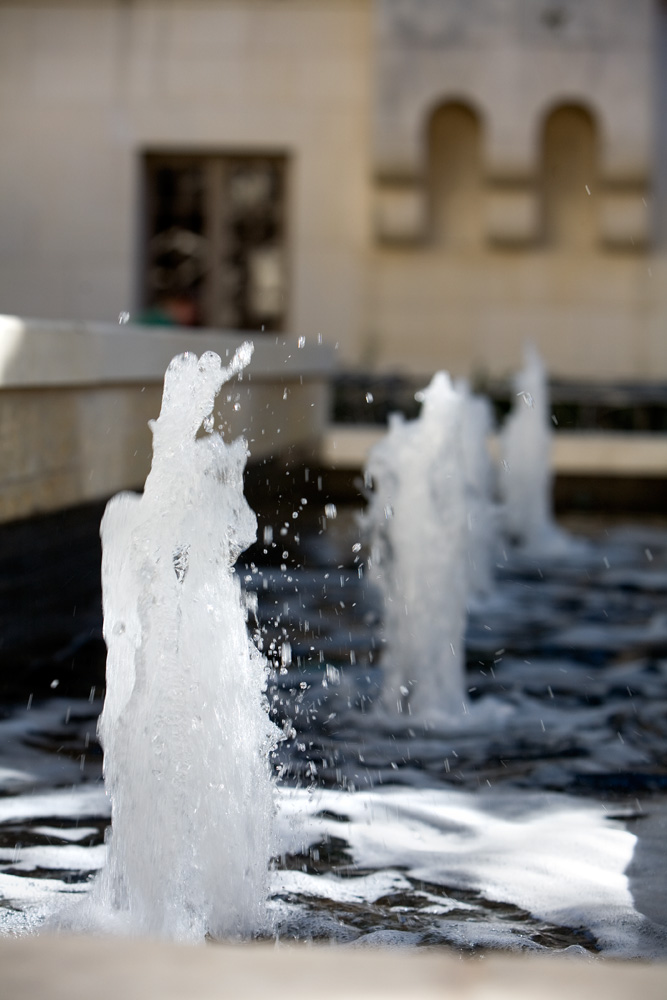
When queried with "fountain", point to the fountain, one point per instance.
{"points": [[184, 726], [417, 520], [423, 829], [526, 473], [479, 479]]}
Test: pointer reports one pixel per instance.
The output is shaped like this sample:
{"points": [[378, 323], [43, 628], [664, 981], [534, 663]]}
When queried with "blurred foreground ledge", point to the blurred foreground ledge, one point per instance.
{"points": [[67, 968]]}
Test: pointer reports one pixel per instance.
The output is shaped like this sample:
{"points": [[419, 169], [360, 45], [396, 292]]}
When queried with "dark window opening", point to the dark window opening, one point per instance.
{"points": [[215, 241]]}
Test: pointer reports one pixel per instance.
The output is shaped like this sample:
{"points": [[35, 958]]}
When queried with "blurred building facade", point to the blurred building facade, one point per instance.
{"points": [[427, 183]]}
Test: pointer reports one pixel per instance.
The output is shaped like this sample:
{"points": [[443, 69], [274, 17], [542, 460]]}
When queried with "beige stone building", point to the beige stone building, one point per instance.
{"points": [[426, 183]]}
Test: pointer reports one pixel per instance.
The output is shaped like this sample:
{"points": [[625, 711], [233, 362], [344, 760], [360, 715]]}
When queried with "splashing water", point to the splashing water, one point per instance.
{"points": [[419, 550], [184, 727], [526, 473]]}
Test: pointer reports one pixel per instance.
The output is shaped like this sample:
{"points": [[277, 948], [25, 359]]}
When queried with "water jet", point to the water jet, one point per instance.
{"points": [[417, 522], [184, 727], [526, 477]]}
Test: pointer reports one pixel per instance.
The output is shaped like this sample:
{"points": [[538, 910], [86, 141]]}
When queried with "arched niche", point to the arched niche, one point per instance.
{"points": [[455, 176], [569, 178]]}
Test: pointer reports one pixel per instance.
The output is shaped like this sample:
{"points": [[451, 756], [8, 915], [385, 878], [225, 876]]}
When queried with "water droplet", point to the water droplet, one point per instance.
{"points": [[331, 511], [369, 397], [301, 342], [123, 318]]}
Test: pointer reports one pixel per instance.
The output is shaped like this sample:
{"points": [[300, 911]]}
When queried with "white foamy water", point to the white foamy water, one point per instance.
{"points": [[420, 866], [184, 727], [559, 858], [417, 520]]}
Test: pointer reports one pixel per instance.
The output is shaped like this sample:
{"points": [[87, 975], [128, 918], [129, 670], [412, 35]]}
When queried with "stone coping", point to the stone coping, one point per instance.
{"points": [[40, 353]]}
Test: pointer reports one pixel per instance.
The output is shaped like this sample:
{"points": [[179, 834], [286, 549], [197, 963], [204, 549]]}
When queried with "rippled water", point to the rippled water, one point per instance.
{"points": [[535, 822]]}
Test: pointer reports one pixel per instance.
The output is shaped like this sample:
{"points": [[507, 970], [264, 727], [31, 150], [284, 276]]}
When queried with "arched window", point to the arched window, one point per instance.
{"points": [[569, 178], [455, 176]]}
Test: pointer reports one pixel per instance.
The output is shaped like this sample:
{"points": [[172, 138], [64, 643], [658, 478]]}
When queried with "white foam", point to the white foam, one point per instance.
{"points": [[558, 857]]}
